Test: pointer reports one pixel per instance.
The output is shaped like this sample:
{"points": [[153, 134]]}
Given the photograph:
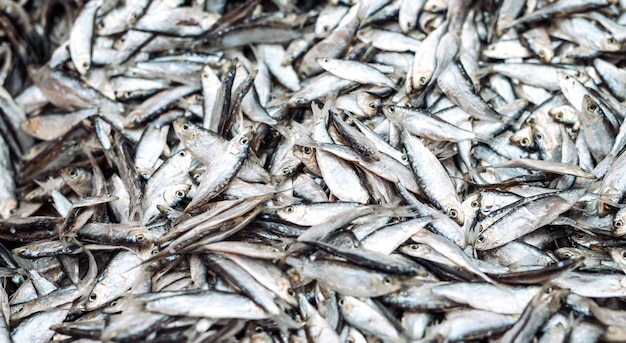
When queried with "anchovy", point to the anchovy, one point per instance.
{"points": [[388, 170]]}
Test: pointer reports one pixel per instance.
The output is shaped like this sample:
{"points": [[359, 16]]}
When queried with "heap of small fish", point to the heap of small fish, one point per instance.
{"points": [[350, 171]]}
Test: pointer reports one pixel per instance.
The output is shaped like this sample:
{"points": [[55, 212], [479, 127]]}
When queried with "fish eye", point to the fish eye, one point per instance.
{"points": [[387, 280], [341, 302], [307, 150], [619, 223], [258, 329], [475, 204], [481, 239], [567, 255], [580, 235], [185, 127], [372, 105], [392, 109], [291, 292], [624, 254], [611, 40], [422, 80], [244, 140], [559, 115], [539, 136], [113, 303], [180, 194], [285, 170], [72, 173], [524, 142], [182, 153], [140, 237], [541, 53], [404, 158], [289, 209], [591, 107], [86, 65], [453, 213], [567, 77], [414, 246], [93, 297], [325, 60]]}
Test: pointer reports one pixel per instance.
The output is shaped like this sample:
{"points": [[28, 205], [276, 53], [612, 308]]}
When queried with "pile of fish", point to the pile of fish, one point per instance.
{"points": [[281, 171]]}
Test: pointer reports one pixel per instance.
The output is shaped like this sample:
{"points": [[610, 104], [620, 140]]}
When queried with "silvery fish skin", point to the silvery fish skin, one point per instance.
{"points": [[8, 200], [397, 155], [433, 178], [329, 273], [116, 280], [424, 62], [362, 314], [229, 305], [81, 36]]}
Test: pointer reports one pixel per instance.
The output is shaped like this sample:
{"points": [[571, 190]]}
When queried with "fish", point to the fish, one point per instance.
{"points": [[342, 170]]}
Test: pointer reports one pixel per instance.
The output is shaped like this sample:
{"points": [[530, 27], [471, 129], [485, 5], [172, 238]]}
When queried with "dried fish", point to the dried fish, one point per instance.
{"points": [[344, 170]]}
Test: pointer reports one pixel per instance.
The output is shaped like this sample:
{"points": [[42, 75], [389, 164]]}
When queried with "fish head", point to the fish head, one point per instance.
{"points": [[385, 284], [610, 44], [304, 153], [175, 193], [141, 236], [566, 253], [292, 213], [523, 138], [369, 103], [183, 159], [297, 101], [116, 306], [185, 131], [241, 141], [483, 242], [73, 176], [7, 207], [454, 209], [619, 223], [392, 112], [285, 170], [96, 298], [607, 201]]}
